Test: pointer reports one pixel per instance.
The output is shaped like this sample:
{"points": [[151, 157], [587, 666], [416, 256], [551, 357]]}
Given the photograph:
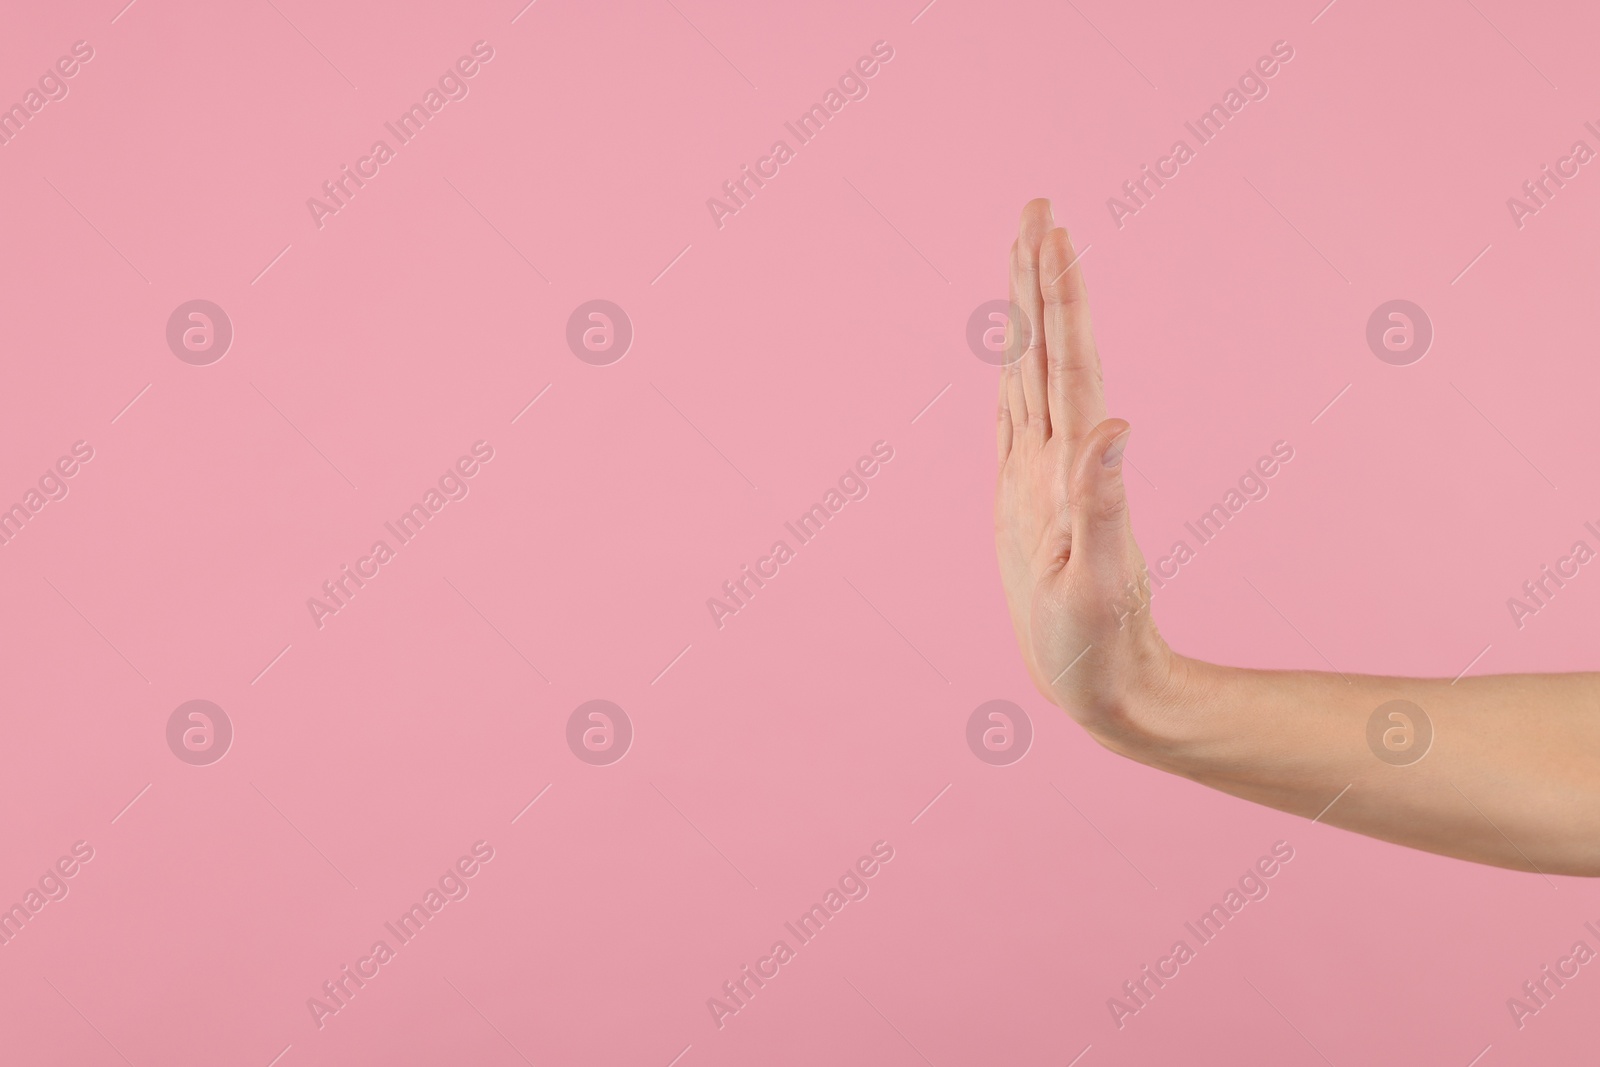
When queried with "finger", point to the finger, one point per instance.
{"points": [[1035, 223], [1008, 370], [1016, 402], [1077, 400], [1100, 530], [1003, 428]]}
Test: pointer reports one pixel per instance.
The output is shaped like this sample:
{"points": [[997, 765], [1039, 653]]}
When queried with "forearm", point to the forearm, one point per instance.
{"points": [[1508, 777]]}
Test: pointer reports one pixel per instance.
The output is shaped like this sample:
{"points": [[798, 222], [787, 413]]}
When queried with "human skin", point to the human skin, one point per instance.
{"points": [[1513, 774]]}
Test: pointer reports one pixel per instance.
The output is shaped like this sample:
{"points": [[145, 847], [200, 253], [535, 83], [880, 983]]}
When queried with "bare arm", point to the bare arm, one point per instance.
{"points": [[1502, 770]]}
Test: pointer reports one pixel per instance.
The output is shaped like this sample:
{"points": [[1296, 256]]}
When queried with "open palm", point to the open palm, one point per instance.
{"points": [[1074, 577]]}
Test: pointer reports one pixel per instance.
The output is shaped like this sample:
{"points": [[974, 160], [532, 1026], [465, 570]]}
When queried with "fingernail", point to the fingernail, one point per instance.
{"points": [[1113, 456]]}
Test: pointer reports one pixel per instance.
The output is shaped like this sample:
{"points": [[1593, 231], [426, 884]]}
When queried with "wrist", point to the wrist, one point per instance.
{"points": [[1164, 713]]}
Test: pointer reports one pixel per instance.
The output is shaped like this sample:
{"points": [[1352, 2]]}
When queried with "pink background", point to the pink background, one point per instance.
{"points": [[826, 315]]}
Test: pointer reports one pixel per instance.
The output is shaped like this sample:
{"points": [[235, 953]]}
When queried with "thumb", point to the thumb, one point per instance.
{"points": [[1098, 498]]}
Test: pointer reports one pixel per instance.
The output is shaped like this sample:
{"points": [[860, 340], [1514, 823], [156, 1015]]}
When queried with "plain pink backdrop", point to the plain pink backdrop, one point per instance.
{"points": [[768, 354]]}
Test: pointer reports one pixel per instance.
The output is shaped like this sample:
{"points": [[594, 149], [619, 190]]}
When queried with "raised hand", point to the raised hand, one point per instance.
{"points": [[1513, 774], [1074, 577]]}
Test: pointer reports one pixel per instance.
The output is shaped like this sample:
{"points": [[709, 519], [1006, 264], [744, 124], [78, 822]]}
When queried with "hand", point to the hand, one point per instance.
{"points": [[1512, 776], [1074, 577]]}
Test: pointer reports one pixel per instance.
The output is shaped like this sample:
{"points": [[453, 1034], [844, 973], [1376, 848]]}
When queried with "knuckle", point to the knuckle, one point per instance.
{"points": [[1023, 259], [1111, 506]]}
